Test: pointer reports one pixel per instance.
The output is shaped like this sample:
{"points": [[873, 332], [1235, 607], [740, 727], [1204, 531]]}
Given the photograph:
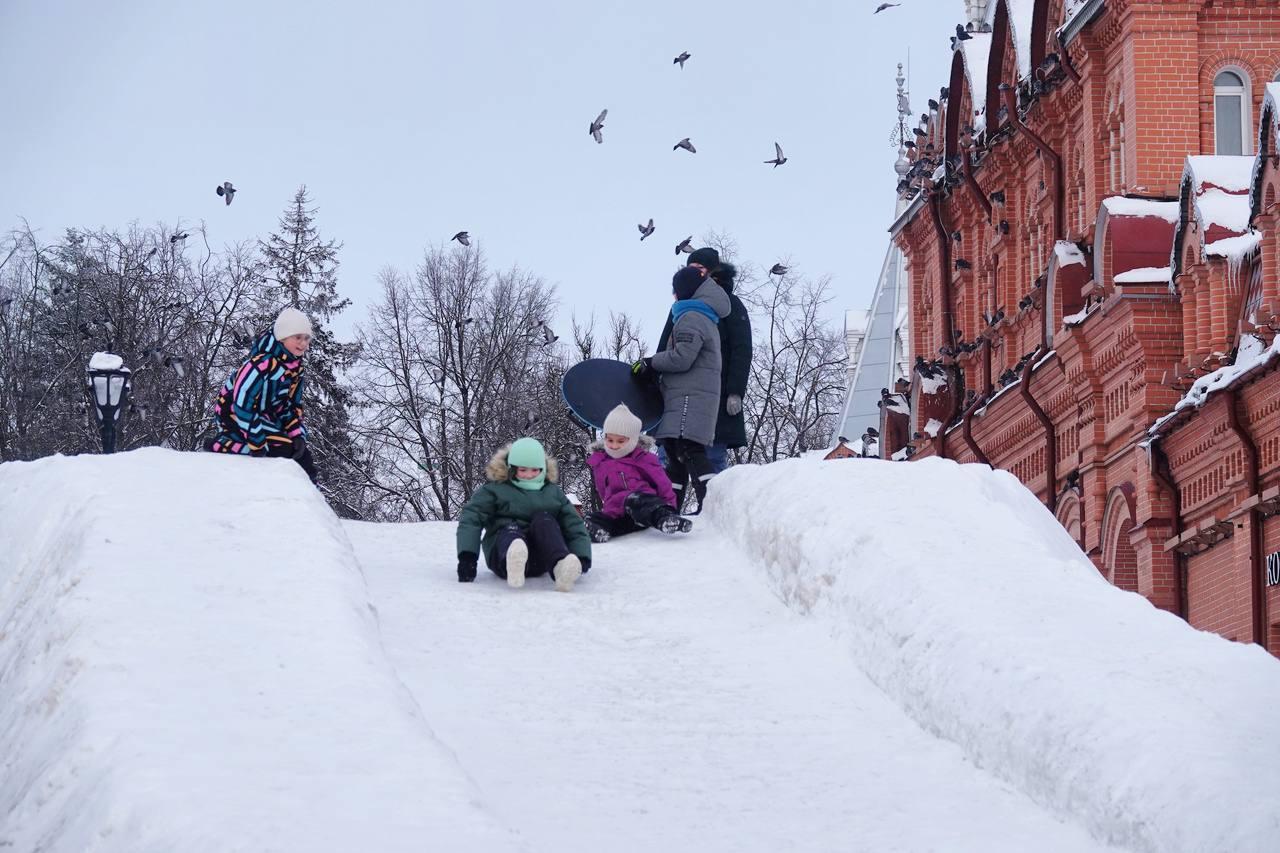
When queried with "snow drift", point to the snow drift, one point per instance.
{"points": [[965, 600], [188, 662]]}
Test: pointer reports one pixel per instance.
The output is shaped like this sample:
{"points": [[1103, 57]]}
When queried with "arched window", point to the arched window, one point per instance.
{"points": [[1230, 113]]}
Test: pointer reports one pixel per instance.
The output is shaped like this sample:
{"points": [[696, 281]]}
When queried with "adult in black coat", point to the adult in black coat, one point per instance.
{"points": [[735, 357]]}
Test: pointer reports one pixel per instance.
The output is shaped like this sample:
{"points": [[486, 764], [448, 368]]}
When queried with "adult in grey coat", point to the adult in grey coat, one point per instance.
{"points": [[689, 375]]}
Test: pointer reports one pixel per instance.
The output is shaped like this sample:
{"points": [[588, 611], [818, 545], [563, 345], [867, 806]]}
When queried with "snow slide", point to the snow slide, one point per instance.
{"points": [[962, 598], [188, 662]]}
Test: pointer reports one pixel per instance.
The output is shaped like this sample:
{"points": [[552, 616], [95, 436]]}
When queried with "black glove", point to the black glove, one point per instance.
{"points": [[642, 368], [299, 447], [586, 563], [467, 563]]}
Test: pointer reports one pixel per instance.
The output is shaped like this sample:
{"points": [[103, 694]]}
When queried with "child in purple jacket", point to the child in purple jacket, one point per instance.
{"points": [[633, 486]]}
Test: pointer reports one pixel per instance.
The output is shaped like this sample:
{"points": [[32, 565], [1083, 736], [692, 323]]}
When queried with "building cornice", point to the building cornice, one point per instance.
{"points": [[904, 218], [1090, 11]]}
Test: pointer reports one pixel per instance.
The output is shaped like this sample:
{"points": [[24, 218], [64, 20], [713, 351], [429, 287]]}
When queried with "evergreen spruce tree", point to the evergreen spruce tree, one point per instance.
{"points": [[301, 270]]}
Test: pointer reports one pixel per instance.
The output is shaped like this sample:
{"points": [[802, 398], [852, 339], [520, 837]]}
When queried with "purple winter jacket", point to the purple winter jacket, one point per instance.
{"points": [[638, 471]]}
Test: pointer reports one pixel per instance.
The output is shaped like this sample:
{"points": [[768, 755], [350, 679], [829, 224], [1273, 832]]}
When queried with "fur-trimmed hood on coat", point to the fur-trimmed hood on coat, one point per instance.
{"points": [[499, 471], [645, 442]]}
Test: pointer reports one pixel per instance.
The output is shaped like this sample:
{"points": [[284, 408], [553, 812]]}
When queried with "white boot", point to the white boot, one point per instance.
{"points": [[517, 557], [567, 572]]}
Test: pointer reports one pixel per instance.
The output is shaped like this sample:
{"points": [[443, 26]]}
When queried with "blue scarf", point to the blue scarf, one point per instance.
{"points": [[684, 306]]}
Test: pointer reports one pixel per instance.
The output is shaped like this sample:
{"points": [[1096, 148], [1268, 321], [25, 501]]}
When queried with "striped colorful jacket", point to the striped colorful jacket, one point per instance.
{"points": [[261, 403]]}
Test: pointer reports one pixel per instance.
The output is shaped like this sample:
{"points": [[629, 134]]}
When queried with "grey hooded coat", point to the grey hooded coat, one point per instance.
{"points": [[689, 371]]}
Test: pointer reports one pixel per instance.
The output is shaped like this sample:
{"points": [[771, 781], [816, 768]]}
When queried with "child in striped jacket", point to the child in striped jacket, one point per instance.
{"points": [[259, 411]]}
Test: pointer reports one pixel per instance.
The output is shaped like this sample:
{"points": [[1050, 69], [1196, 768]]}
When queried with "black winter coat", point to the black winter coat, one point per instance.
{"points": [[735, 360]]}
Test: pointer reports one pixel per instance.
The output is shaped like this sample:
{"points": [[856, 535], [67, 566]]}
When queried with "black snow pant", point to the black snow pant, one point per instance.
{"points": [[308, 464], [544, 539], [687, 461], [640, 510]]}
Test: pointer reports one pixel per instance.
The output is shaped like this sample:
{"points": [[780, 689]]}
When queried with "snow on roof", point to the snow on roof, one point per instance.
{"points": [[1068, 253], [105, 361], [932, 427], [1253, 353], [975, 53], [1146, 275], [1234, 249], [1271, 101], [1020, 14], [932, 385], [1121, 206], [1228, 172], [1221, 185], [1077, 318]]}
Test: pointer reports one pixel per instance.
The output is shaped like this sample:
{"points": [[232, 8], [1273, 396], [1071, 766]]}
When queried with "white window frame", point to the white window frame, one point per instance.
{"points": [[1246, 102]]}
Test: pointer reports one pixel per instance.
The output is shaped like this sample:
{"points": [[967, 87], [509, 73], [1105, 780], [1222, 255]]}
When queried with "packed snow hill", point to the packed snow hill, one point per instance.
{"points": [[196, 655]]}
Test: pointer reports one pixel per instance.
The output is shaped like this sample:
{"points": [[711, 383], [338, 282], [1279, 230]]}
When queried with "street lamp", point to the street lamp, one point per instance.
{"points": [[109, 384]]}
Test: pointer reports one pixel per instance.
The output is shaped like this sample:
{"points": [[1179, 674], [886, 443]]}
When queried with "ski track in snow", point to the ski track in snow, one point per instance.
{"points": [[671, 702]]}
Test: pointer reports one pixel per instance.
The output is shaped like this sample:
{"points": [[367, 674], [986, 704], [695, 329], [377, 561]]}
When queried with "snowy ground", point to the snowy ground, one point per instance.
{"points": [[672, 703], [196, 655]]}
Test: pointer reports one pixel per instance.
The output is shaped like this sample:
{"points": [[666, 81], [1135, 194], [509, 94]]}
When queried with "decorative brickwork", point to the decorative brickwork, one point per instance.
{"points": [[1112, 259]]}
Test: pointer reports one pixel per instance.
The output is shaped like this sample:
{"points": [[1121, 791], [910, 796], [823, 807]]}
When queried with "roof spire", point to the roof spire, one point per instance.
{"points": [[900, 132]]}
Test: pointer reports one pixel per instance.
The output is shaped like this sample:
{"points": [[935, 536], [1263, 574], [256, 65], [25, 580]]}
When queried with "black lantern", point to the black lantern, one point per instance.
{"points": [[109, 386]]}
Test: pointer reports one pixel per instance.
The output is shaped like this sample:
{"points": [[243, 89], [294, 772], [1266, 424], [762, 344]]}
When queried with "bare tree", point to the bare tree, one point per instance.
{"points": [[455, 365], [797, 374]]}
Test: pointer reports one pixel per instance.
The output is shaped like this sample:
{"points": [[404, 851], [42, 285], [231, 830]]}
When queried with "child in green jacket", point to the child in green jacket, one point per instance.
{"points": [[523, 521]]}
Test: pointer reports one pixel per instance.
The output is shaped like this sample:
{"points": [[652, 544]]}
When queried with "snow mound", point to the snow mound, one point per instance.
{"points": [[188, 661], [964, 599]]}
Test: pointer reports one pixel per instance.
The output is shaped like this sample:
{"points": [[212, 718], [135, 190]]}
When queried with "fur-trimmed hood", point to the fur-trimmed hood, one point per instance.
{"points": [[499, 471], [645, 442]]}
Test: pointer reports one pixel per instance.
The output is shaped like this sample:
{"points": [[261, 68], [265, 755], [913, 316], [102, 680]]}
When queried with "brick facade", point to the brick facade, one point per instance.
{"points": [[1077, 263]]}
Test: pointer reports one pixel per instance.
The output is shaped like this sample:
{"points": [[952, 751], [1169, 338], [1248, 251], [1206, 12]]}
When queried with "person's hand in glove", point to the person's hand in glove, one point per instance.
{"points": [[586, 564], [299, 447], [733, 405], [467, 562], [642, 367]]}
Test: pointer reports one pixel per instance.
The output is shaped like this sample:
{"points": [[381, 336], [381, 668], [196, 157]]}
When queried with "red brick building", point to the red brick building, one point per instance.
{"points": [[1095, 275]]}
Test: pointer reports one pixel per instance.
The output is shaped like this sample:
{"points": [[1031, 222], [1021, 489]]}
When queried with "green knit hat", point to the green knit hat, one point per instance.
{"points": [[528, 453]]}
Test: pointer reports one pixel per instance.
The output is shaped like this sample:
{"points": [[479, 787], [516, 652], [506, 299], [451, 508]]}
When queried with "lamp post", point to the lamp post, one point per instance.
{"points": [[109, 385]]}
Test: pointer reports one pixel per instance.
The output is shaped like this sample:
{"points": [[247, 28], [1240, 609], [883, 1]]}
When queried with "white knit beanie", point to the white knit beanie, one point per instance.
{"points": [[291, 322], [621, 422]]}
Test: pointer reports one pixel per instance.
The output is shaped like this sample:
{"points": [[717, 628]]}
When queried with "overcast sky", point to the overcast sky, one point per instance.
{"points": [[409, 121]]}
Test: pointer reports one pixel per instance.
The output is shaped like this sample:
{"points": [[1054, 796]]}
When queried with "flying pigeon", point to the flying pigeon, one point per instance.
{"points": [[464, 321], [462, 237], [548, 337], [680, 60], [152, 253], [884, 6], [226, 191], [597, 126], [176, 362], [685, 245], [961, 35], [780, 159], [645, 230], [176, 237], [686, 145], [777, 269]]}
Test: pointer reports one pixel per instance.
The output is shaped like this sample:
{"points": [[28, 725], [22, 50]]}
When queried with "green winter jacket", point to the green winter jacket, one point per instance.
{"points": [[500, 502]]}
